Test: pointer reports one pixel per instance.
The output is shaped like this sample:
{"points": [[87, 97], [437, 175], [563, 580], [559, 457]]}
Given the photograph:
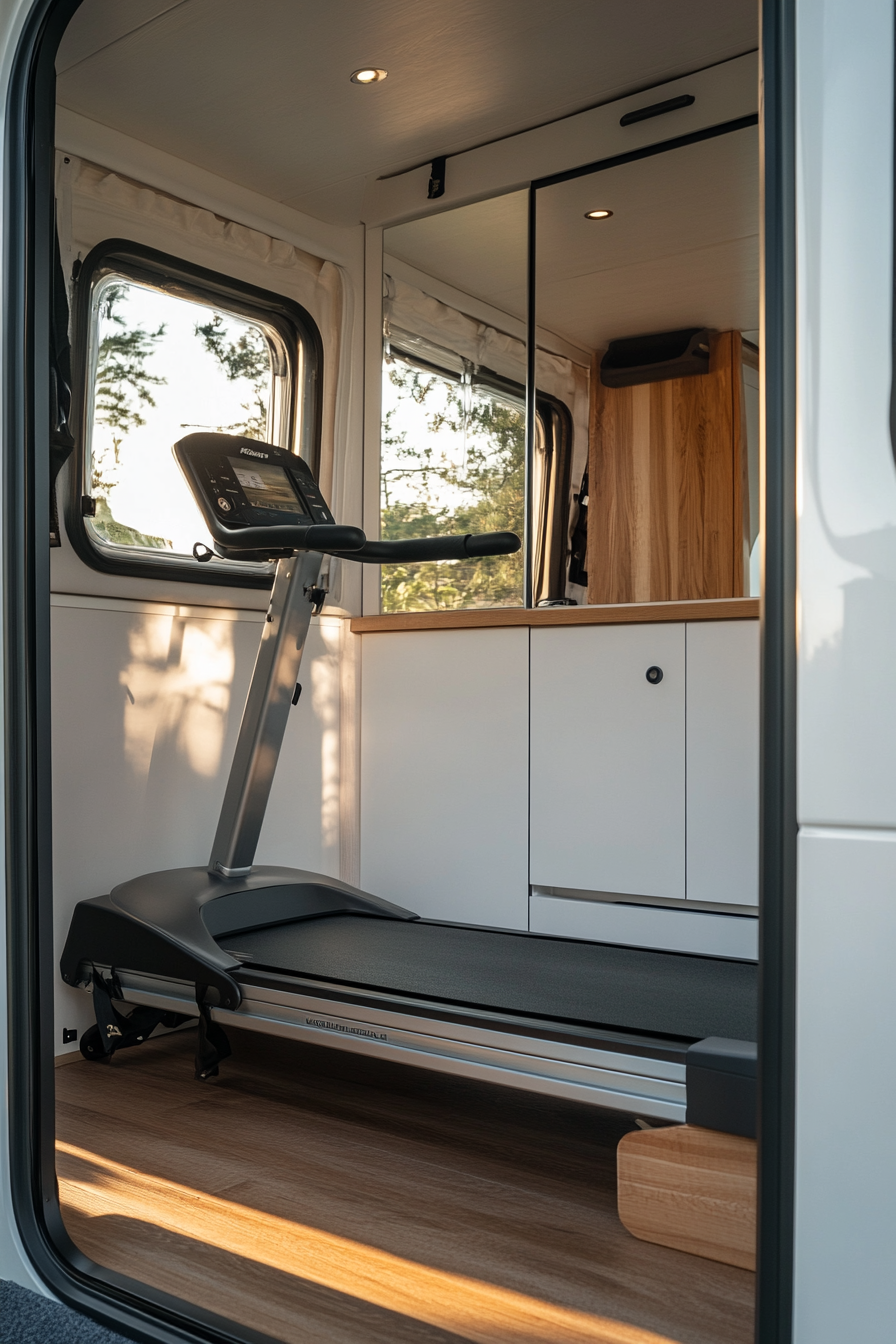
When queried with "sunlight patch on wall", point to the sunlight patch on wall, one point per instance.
{"points": [[177, 687], [325, 704]]}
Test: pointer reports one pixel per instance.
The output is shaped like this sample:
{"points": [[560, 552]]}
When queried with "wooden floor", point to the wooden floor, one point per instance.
{"points": [[314, 1195]]}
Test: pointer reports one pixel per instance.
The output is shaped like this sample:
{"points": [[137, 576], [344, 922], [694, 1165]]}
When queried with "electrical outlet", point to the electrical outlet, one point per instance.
{"points": [[69, 1034]]}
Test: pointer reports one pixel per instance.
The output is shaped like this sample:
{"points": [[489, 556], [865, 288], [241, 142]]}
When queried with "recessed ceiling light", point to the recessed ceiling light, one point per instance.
{"points": [[368, 75], [598, 214]]}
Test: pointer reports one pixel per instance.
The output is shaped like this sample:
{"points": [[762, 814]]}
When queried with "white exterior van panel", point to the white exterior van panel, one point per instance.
{"points": [[608, 759], [847, 541], [845, 1174], [723, 761], [444, 773], [844, 1285]]}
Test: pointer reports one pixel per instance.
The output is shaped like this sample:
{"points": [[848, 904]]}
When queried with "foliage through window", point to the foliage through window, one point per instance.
{"points": [[453, 460], [164, 366]]}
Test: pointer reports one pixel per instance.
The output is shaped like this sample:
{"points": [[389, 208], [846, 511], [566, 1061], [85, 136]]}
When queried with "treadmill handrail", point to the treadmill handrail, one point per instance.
{"points": [[277, 540], [350, 543], [472, 545], [326, 538]]}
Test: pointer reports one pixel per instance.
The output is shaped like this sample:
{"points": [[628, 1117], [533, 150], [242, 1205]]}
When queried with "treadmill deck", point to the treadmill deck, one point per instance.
{"points": [[631, 989], [590, 1022]]}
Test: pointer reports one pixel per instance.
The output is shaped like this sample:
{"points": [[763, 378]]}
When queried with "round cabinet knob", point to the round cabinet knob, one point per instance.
{"points": [[654, 675]]}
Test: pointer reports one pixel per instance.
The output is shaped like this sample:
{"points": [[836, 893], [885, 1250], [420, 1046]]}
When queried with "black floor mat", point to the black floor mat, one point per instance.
{"points": [[29, 1318], [665, 993]]}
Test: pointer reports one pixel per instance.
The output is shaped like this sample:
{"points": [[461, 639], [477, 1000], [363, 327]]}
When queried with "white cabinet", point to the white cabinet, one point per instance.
{"points": [[444, 773], [723, 761], [493, 759], [608, 759]]}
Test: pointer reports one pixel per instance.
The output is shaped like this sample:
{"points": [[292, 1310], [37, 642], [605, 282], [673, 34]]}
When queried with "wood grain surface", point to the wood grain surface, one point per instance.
{"points": [[627, 613], [693, 1189], [318, 1196], [666, 485]]}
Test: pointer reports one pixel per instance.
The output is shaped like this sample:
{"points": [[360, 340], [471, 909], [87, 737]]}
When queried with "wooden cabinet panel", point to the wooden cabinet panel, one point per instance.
{"points": [[444, 773], [723, 762], [608, 759], [666, 468]]}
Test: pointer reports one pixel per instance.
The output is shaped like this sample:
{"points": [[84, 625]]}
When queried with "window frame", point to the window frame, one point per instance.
{"points": [[172, 275]]}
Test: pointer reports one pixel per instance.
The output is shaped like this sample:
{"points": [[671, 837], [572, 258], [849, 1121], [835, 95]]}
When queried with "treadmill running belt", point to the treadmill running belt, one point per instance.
{"points": [[665, 993]]}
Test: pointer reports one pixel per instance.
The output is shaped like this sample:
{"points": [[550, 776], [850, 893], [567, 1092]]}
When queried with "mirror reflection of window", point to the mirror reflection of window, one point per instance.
{"points": [[666, 497], [453, 461], [454, 408], [454, 400]]}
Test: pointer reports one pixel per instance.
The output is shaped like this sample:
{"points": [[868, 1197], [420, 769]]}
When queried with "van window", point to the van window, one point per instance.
{"points": [[163, 360]]}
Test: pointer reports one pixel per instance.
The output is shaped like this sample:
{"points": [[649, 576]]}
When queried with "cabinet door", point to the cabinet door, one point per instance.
{"points": [[444, 773], [608, 759], [723, 761]]}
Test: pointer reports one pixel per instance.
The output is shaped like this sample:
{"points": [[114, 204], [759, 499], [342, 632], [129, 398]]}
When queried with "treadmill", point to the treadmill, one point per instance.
{"points": [[302, 955]]}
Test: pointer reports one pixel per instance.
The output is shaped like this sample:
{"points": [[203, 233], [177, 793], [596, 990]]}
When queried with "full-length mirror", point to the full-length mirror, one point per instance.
{"points": [[454, 398], [652, 267]]}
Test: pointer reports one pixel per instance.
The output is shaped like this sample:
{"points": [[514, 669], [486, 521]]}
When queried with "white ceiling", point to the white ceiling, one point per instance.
{"points": [[258, 92], [681, 248]]}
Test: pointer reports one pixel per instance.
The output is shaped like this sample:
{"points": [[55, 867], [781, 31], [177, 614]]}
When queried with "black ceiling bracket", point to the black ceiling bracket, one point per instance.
{"points": [[437, 179]]}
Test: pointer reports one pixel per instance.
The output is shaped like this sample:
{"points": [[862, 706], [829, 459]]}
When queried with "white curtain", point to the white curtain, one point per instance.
{"points": [[407, 308], [95, 204]]}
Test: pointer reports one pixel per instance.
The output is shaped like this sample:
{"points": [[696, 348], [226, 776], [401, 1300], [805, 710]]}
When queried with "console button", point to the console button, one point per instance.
{"points": [[224, 504]]}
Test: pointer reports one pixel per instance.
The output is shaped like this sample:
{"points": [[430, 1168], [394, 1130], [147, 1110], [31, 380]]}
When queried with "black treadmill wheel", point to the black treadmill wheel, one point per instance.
{"points": [[91, 1045]]}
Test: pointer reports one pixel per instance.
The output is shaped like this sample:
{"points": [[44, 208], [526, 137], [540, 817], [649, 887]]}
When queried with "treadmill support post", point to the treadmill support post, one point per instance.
{"points": [[265, 715]]}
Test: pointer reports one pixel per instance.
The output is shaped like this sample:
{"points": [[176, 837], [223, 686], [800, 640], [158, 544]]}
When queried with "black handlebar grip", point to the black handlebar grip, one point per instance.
{"points": [[416, 549], [334, 537], [324, 537], [493, 543]]}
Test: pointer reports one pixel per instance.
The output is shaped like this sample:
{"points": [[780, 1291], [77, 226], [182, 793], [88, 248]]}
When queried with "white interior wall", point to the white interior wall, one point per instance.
{"points": [[146, 706], [95, 204], [137, 786]]}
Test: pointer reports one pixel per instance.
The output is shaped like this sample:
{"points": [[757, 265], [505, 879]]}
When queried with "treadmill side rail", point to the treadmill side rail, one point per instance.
{"points": [[591, 1072]]}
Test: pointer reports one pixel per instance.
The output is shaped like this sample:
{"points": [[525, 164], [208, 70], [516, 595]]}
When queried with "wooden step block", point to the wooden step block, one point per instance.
{"points": [[692, 1189]]}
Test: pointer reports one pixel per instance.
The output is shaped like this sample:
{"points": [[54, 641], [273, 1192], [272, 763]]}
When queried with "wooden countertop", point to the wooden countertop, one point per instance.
{"points": [[629, 613]]}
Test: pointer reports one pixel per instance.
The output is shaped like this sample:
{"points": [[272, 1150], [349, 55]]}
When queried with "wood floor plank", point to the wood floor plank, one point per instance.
{"points": [[342, 1175]]}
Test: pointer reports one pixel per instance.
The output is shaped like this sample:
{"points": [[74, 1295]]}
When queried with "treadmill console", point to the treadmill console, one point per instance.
{"points": [[240, 482]]}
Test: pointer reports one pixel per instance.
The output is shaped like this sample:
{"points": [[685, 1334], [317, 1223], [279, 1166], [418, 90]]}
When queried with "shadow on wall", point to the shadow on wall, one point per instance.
{"points": [[177, 693], [177, 723]]}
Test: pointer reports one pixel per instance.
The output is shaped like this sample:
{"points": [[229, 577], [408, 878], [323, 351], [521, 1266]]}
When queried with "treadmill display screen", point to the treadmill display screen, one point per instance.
{"points": [[266, 486]]}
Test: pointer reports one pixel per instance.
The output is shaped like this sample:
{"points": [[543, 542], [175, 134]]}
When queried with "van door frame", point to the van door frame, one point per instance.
{"points": [[110, 1298], [778, 634]]}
